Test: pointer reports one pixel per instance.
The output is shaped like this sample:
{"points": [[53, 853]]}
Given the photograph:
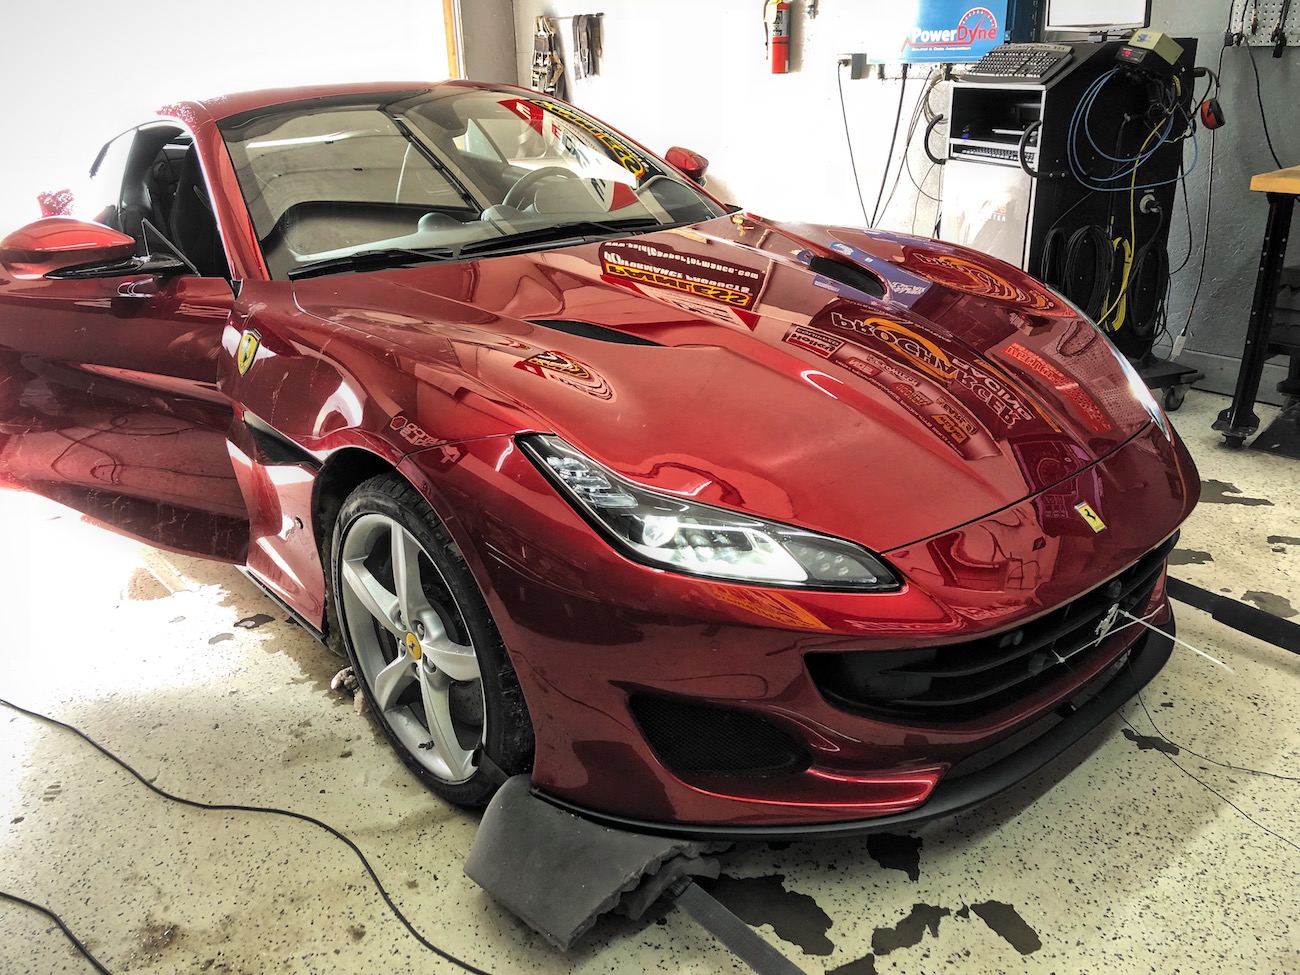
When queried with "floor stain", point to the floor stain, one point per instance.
{"points": [[895, 852], [1005, 921], [357, 931], [1271, 603], [1221, 492], [155, 938], [220, 638], [910, 930], [254, 621], [1283, 540], [1187, 556], [795, 917], [865, 965], [1147, 742], [143, 586]]}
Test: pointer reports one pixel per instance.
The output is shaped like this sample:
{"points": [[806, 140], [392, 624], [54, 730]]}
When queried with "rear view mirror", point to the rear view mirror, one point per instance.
{"points": [[55, 244], [691, 164]]}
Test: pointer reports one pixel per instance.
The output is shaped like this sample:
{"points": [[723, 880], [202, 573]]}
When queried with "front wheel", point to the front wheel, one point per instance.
{"points": [[424, 646]]}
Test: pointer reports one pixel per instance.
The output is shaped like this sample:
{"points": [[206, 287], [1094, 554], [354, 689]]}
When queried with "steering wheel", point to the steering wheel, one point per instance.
{"points": [[520, 191]]}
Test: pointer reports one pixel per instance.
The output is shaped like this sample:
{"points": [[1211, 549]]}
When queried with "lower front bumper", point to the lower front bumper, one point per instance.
{"points": [[957, 792]]}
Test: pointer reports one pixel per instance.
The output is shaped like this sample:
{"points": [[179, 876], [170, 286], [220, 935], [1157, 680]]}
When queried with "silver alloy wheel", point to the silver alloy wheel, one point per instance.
{"points": [[406, 629]]}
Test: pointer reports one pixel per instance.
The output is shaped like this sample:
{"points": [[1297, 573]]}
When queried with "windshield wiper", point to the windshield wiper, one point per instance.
{"points": [[577, 232], [374, 260]]}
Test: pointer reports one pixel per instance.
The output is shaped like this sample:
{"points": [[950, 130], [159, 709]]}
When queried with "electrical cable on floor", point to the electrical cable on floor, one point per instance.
{"points": [[1263, 117], [1206, 758], [223, 807], [848, 139], [1145, 621], [1209, 788], [76, 942]]}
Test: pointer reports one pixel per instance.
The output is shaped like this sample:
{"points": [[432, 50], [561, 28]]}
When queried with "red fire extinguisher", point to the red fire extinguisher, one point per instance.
{"points": [[778, 34]]}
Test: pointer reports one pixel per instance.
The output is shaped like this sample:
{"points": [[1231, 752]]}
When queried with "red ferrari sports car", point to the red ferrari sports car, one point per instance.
{"points": [[714, 525]]}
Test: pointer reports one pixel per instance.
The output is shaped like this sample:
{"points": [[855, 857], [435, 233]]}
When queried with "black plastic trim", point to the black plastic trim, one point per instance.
{"points": [[951, 796], [274, 446], [587, 330]]}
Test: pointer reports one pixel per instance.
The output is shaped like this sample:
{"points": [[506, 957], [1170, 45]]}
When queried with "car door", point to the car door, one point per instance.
{"points": [[108, 394]]}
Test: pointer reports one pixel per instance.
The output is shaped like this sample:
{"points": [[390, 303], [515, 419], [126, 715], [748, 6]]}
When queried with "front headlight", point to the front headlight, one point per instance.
{"points": [[1135, 384], [685, 536]]}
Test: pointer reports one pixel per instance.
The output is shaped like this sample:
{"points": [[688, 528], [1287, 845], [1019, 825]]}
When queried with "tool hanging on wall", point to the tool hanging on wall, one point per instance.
{"points": [[586, 45], [548, 69], [776, 29]]}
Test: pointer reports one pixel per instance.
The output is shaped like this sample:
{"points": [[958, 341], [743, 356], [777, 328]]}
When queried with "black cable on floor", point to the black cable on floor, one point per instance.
{"points": [[271, 811], [1209, 788], [1206, 758], [76, 942]]}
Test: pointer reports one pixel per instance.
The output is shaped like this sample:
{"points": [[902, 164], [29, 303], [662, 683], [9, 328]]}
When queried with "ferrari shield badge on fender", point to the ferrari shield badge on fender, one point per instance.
{"points": [[1090, 516], [247, 351]]}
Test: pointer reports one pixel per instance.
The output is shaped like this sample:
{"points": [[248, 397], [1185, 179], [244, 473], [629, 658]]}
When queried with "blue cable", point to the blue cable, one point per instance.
{"points": [[1079, 120]]}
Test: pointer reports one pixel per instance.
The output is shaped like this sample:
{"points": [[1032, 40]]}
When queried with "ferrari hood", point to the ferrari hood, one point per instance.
{"points": [[877, 387]]}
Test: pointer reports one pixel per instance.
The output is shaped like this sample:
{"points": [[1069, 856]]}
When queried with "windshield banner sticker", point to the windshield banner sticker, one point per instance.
{"points": [[619, 151]]}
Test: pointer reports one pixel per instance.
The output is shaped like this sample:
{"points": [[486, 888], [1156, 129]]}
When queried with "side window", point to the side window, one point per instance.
{"points": [[100, 198]]}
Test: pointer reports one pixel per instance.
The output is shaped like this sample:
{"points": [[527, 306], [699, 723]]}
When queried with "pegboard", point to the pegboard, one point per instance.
{"points": [[1265, 13]]}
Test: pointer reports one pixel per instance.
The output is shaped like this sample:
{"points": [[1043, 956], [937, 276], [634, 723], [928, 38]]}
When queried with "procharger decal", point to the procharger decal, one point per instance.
{"points": [[947, 31], [927, 401], [569, 372]]}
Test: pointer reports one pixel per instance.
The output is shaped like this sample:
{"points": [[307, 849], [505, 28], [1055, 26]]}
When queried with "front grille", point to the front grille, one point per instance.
{"points": [[972, 680], [702, 739]]}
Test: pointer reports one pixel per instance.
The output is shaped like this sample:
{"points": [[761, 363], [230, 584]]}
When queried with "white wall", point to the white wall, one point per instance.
{"points": [[696, 74], [74, 73]]}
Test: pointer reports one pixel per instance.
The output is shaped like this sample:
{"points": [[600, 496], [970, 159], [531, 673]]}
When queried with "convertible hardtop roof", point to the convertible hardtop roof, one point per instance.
{"points": [[221, 107]]}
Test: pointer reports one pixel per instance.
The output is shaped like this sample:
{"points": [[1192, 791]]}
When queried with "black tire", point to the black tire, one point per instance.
{"points": [[457, 670]]}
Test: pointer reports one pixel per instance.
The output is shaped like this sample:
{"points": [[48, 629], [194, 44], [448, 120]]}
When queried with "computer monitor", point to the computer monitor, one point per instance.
{"points": [[1097, 15]]}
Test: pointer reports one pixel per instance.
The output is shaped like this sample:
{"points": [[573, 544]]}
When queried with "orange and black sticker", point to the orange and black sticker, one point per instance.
{"points": [[660, 266]]}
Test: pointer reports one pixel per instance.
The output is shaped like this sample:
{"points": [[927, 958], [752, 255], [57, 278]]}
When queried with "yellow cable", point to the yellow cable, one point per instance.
{"points": [[1121, 299]]}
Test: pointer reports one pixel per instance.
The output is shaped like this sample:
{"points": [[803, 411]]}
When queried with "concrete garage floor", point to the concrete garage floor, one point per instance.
{"points": [[1134, 854]]}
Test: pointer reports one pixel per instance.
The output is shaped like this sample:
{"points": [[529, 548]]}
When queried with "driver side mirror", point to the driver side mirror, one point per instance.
{"points": [[57, 244], [691, 164]]}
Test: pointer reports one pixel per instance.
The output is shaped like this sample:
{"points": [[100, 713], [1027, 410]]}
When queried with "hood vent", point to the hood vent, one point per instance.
{"points": [[850, 274], [587, 330]]}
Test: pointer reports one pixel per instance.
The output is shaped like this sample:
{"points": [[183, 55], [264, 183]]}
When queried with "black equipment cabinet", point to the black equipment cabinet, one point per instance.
{"points": [[1042, 175]]}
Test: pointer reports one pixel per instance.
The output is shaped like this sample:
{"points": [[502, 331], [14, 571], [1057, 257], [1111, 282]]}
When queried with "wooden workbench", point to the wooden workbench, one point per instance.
{"points": [[1239, 421]]}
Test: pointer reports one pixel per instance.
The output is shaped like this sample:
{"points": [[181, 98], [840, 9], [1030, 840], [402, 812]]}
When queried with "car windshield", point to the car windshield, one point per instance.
{"points": [[336, 184]]}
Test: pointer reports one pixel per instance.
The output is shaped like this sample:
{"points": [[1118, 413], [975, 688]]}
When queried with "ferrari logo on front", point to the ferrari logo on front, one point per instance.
{"points": [[248, 345], [412, 643], [1091, 517]]}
